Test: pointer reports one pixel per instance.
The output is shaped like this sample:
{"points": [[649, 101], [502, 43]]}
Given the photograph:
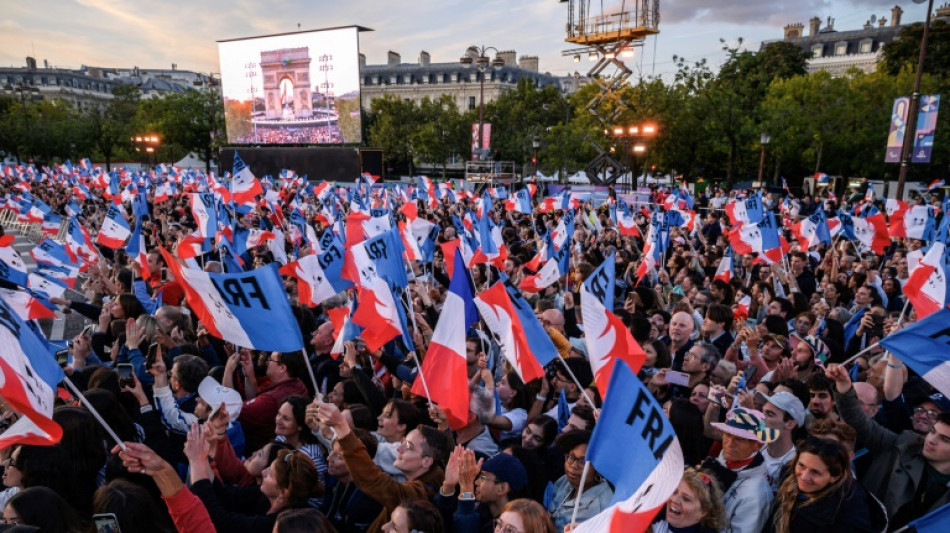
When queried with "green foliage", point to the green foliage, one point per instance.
{"points": [[904, 52]]}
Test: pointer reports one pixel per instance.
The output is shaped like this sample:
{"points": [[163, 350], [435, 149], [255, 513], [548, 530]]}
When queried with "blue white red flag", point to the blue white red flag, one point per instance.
{"points": [[205, 214], [927, 287], [822, 179], [318, 276], [378, 313], [936, 184], [29, 379], [761, 237], [923, 346], [635, 447], [244, 185], [521, 202], [870, 228], [607, 338], [137, 251], [249, 309], [444, 368], [497, 311], [115, 229], [725, 270], [12, 267], [812, 230], [748, 211]]}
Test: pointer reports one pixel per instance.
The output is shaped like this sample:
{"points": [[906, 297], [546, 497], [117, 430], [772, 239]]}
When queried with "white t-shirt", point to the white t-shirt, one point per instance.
{"points": [[773, 466], [518, 417]]}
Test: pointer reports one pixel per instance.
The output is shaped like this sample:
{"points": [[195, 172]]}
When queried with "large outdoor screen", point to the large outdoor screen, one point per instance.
{"points": [[295, 88]]}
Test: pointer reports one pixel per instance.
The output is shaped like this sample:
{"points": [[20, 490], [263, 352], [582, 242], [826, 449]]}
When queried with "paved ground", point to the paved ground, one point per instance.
{"points": [[66, 325]]}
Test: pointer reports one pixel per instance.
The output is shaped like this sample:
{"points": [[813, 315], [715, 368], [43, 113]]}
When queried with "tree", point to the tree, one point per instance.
{"points": [[391, 124], [905, 51], [441, 132], [111, 127], [192, 121]]}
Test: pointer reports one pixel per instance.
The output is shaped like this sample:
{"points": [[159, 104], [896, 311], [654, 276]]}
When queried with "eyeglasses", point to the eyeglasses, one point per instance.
{"points": [[929, 413], [572, 459], [484, 477], [272, 360], [410, 447], [501, 527]]}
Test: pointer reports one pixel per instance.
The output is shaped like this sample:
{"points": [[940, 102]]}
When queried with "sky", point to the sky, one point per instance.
{"points": [[125, 33]]}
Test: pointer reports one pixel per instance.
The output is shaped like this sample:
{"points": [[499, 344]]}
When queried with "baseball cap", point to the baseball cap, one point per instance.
{"points": [[747, 424], [787, 402], [507, 469], [214, 394], [941, 401]]}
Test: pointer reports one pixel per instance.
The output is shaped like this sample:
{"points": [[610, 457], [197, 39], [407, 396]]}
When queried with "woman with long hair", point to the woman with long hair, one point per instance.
{"points": [[523, 516], [820, 495], [290, 426], [43, 508]]}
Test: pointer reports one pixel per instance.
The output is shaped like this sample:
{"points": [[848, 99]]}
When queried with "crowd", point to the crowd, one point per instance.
{"points": [[781, 427]]}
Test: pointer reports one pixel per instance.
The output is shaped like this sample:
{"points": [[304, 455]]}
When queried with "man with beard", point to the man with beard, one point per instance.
{"points": [[822, 399]]}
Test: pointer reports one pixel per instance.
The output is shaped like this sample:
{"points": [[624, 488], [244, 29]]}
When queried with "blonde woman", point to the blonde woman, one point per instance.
{"points": [[695, 506]]}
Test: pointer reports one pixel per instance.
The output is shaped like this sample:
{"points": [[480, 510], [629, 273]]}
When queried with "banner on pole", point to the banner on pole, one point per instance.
{"points": [[926, 128], [895, 138]]}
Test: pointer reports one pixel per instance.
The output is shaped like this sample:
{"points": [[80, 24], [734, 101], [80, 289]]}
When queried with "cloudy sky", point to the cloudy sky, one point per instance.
{"points": [[70, 33]]}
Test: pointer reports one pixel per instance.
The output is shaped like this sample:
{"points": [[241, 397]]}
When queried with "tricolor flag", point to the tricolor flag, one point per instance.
{"points": [[496, 309], [761, 237], [632, 425], [923, 346], [377, 313], [29, 306], [871, 229], [248, 309], [927, 287], [822, 179], [724, 271], [626, 222], [812, 230], [936, 184], [748, 211], [115, 229], [318, 276], [244, 185], [137, 251], [12, 267], [28, 384], [607, 338], [51, 224], [203, 209], [444, 368], [546, 276]]}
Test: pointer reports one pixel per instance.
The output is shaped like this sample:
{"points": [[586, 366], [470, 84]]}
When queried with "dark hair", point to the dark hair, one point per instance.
{"points": [[133, 507], [569, 440], [786, 306], [424, 517], [351, 392], [298, 405], [303, 521], [82, 442], [436, 444], [362, 417], [131, 306], [834, 456], [368, 439], [108, 406], [820, 382], [44, 508], [296, 367], [295, 473], [548, 429], [276, 446], [585, 413], [580, 367], [687, 419], [663, 358], [191, 370], [776, 325], [799, 389], [721, 314], [523, 398]]}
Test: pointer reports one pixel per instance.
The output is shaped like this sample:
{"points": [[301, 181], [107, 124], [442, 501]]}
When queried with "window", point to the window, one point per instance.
{"points": [[455, 77], [392, 80], [841, 48], [407, 79], [817, 50], [473, 76], [866, 46], [471, 102]]}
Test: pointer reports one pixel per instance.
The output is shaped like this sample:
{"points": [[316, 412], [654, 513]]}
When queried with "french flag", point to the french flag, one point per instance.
{"points": [[30, 377], [724, 271], [626, 222], [115, 229], [761, 237], [923, 347], [14, 269], [927, 287], [51, 224], [495, 307], [377, 313], [652, 251], [28, 305], [748, 211], [248, 309], [313, 285], [203, 210], [46, 285], [521, 203], [936, 184], [189, 246], [409, 242], [608, 339], [257, 237], [632, 424], [444, 368], [872, 230], [822, 179], [917, 222], [546, 276], [812, 230], [137, 251]]}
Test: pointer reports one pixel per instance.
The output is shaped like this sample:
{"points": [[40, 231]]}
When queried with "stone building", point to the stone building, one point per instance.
{"points": [[838, 51], [423, 78]]}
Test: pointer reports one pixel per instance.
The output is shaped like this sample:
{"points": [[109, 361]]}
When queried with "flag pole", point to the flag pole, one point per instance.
{"points": [[313, 378], [72, 388], [580, 490], [420, 375], [876, 344], [577, 382]]}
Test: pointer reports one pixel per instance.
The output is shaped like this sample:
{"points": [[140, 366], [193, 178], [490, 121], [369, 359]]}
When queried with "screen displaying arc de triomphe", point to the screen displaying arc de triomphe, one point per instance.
{"points": [[286, 77]]}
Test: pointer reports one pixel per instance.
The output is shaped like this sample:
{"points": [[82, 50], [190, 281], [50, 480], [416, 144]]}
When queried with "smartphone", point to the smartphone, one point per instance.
{"points": [[751, 323], [677, 378], [125, 375], [62, 357], [750, 372], [150, 357], [106, 523], [720, 398]]}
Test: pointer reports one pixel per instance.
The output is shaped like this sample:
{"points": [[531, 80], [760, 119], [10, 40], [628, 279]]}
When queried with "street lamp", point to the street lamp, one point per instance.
{"points": [[147, 143], [910, 130], [535, 143], [764, 141], [482, 62]]}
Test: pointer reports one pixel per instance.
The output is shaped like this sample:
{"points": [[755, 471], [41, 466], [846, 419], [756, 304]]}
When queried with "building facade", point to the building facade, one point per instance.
{"points": [[89, 87], [425, 79], [839, 51]]}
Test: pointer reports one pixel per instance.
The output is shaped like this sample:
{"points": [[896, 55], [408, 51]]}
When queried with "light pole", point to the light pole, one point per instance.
{"points": [[482, 62], [764, 141], [627, 136], [535, 143], [911, 129]]}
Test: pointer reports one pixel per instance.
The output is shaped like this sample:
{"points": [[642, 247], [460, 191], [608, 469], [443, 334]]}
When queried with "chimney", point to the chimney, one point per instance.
{"points": [[896, 13], [882, 22], [831, 24], [814, 26], [794, 31], [529, 63], [508, 56], [362, 60], [424, 58], [174, 66], [393, 59], [30, 63]]}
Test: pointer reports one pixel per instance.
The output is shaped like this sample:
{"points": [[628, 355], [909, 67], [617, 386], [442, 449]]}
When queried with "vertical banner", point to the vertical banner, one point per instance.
{"points": [[486, 140], [895, 138], [926, 128]]}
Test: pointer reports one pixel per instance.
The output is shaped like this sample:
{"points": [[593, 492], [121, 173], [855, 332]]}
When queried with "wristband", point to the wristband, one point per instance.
{"points": [[895, 366], [540, 398]]}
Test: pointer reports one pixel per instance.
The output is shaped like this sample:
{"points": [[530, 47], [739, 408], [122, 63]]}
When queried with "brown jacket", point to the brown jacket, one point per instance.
{"points": [[380, 486]]}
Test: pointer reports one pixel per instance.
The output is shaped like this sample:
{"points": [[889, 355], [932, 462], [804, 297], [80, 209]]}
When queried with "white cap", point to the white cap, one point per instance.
{"points": [[214, 394]]}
